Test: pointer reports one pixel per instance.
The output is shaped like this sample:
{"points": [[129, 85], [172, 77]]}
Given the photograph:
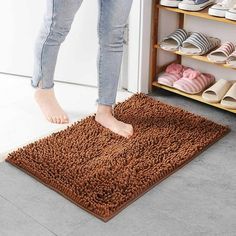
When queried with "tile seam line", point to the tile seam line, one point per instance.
{"points": [[26, 214], [78, 225]]}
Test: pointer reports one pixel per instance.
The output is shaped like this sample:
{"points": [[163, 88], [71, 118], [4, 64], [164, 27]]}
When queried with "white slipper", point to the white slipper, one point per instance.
{"points": [[195, 5], [170, 3], [218, 10], [229, 100], [217, 91], [221, 8], [231, 13]]}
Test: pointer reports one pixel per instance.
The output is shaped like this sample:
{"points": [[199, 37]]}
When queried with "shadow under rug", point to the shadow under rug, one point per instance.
{"points": [[103, 172]]}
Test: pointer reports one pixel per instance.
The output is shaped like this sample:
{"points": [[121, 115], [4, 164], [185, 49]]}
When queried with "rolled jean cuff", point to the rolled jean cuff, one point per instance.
{"points": [[105, 103], [42, 86]]}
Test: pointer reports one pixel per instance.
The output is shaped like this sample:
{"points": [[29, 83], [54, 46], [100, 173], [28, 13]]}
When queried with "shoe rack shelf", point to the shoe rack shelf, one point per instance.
{"points": [[194, 97], [155, 70], [201, 14], [199, 58]]}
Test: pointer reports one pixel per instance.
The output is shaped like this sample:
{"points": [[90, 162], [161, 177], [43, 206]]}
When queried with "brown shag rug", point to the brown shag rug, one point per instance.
{"points": [[102, 172]]}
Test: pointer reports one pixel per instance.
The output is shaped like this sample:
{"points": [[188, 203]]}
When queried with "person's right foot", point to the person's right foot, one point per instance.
{"points": [[50, 107], [105, 117]]}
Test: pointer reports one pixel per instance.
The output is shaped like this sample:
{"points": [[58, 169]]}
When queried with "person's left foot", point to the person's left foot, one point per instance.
{"points": [[105, 117], [50, 107]]}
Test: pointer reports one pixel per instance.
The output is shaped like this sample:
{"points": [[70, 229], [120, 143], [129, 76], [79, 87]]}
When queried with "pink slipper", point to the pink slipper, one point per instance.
{"points": [[194, 82], [172, 73], [221, 54]]}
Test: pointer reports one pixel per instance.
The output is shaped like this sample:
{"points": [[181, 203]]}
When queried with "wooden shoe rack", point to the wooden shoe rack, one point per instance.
{"points": [[155, 69]]}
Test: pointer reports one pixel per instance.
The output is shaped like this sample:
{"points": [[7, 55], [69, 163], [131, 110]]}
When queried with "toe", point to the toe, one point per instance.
{"points": [[59, 120], [129, 135], [65, 119], [50, 119], [124, 134], [62, 120], [54, 119], [131, 131], [130, 128]]}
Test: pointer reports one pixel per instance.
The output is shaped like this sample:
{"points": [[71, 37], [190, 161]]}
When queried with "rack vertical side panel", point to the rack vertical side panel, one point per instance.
{"points": [[153, 53]]}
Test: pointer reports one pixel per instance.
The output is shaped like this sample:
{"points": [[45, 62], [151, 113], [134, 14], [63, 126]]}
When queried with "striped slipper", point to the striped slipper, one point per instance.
{"points": [[221, 54], [172, 73], [231, 61], [194, 82], [168, 79], [199, 44], [173, 41]]}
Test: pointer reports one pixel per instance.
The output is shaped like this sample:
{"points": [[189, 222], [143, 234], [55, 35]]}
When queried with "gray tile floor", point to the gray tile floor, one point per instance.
{"points": [[199, 199]]}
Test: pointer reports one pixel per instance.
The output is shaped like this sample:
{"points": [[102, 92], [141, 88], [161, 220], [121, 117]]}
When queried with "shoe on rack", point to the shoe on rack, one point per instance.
{"points": [[231, 60], [221, 8], [229, 100], [199, 44], [170, 3], [172, 73], [194, 82], [231, 13], [173, 41], [217, 91], [221, 54], [195, 5]]}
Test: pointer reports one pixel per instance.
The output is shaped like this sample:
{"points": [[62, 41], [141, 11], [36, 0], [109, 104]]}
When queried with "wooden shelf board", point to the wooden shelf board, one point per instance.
{"points": [[199, 58], [201, 14], [196, 97]]}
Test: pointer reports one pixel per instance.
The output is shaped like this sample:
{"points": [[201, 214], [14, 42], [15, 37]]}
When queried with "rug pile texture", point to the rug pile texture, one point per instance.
{"points": [[103, 172]]}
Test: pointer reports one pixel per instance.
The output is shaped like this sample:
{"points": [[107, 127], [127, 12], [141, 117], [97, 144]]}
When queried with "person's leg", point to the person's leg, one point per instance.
{"points": [[112, 20], [57, 23]]}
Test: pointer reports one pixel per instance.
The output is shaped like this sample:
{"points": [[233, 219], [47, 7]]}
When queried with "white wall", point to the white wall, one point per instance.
{"points": [[78, 54], [226, 32], [20, 22], [139, 46]]}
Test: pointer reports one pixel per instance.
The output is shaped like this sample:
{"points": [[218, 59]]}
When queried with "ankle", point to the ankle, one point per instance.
{"points": [[104, 110], [39, 93]]}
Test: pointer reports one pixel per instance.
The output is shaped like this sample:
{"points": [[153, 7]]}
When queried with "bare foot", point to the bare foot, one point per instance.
{"points": [[105, 117], [49, 106]]}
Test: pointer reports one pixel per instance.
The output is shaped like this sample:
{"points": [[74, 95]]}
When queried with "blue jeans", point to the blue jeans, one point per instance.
{"points": [[113, 16]]}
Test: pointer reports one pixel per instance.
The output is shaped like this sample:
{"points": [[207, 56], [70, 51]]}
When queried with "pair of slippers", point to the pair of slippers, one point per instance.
{"points": [[189, 43], [185, 79], [226, 53], [225, 8], [222, 91], [188, 5]]}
